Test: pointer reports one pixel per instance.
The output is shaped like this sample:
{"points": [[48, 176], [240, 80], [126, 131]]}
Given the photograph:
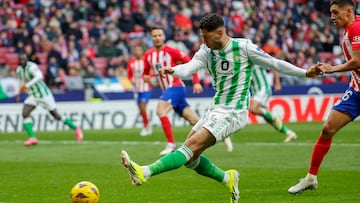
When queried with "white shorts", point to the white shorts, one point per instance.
{"points": [[222, 121], [262, 97], [47, 102]]}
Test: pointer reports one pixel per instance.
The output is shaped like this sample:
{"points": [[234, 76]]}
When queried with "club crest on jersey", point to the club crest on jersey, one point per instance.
{"points": [[237, 57]]}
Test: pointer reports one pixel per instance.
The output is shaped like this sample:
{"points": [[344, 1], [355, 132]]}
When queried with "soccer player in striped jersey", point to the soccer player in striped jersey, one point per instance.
{"points": [[348, 107], [38, 95], [142, 89], [229, 62], [260, 94], [174, 91]]}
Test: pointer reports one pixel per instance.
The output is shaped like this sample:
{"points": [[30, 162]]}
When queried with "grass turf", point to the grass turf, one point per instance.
{"points": [[47, 172]]}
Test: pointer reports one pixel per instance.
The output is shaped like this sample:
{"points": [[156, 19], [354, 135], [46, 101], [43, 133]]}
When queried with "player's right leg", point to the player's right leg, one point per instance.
{"points": [[307, 183], [229, 178], [228, 144], [135, 171], [142, 100], [28, 124], [162, 109]]}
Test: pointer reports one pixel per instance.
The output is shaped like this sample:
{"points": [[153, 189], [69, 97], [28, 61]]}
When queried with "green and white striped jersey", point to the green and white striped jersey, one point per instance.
{"points": [[230, 69], [259, 80], [231, 73], [32, 76]]}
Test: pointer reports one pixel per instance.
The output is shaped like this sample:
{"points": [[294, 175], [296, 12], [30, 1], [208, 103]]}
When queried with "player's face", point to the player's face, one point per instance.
{"points": [[22, 61], [341, 16], [211, 39], [138, 52], [158, 38]]}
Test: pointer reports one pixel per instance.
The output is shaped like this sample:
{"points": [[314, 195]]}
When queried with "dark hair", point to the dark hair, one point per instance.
{"points": [[156, 28], [211, 22], [342, 3]]}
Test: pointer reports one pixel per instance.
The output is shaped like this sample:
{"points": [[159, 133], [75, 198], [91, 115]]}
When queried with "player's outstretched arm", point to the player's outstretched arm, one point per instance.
{"points": [[315, 70], [165, 70]]}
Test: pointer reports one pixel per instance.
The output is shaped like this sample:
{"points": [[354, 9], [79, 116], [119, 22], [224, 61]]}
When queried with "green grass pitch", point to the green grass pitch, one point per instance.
{"points": [[46, 173]]}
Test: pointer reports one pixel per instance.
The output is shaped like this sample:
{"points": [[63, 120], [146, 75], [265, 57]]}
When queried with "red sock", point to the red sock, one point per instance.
{"points": [[321, 147], [145, 119], [166, 125]]}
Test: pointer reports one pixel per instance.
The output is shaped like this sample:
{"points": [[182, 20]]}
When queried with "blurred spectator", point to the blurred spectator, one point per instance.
{"points": [[126, 22], [178, 42], [52, 71], [68, 30], [91, 72], [106, 48]]}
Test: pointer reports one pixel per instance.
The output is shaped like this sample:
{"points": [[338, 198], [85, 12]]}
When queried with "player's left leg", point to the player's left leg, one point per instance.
{"points": [[335, 122], [190, 115], [258, 108], [142, 100], [69, 123]]}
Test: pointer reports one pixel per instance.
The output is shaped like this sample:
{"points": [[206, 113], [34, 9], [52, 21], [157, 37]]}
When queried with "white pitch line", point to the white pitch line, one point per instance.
{"points": [[161, 143]]}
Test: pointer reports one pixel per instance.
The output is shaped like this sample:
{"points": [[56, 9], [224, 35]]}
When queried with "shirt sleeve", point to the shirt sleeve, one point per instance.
{"points": [[180, 56], [38, 76], [129, 71], [261, 58], [196, 63], [354, 36]]}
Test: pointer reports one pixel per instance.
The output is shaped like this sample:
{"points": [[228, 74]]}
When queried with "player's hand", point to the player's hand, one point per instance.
{"points": [[327, 68], [197, 89], [315, 70], [277, 87], [165, 70], [146, 78]]}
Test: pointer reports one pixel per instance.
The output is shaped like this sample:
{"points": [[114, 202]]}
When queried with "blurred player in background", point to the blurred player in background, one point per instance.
{"points": [[174, 91], [142, 89], [348, 107], [39, 95], [260, 96]]}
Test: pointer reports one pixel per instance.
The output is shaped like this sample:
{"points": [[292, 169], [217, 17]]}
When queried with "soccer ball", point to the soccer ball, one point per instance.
{"points": [[85, 192]]}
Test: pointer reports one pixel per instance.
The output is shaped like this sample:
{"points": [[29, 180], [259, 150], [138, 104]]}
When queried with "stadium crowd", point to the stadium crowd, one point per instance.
{"points": [[95, 38]]}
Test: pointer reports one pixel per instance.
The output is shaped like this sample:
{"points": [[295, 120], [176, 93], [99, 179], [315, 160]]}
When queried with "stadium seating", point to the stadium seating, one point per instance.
{"points": [[100, 64], [12, 60]]}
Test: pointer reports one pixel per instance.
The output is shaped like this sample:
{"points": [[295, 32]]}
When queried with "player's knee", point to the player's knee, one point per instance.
{"points": [[328, 130], [193, 121], [55, 115]]}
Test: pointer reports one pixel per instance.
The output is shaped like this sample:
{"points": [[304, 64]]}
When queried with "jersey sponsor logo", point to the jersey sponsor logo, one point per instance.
{"points": [[260, 50], [225, 68], [356, 40]]}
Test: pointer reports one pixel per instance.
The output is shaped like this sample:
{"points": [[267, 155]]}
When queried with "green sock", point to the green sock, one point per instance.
{"points": [[70, 123], [28, 127], [283, 129], [268, 116], [171, 161], [205, 167]]}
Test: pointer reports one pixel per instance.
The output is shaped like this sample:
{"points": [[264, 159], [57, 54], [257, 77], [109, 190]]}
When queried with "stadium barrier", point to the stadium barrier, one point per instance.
{"points": [[124, 113]]}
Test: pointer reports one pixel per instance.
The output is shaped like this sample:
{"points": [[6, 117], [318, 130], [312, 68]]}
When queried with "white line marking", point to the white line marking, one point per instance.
{"points": [[161, 143]]}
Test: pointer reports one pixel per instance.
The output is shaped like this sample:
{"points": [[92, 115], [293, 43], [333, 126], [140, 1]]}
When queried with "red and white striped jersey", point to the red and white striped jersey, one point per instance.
{"points": [[166, 57], [135, 71], [351, 42]]}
